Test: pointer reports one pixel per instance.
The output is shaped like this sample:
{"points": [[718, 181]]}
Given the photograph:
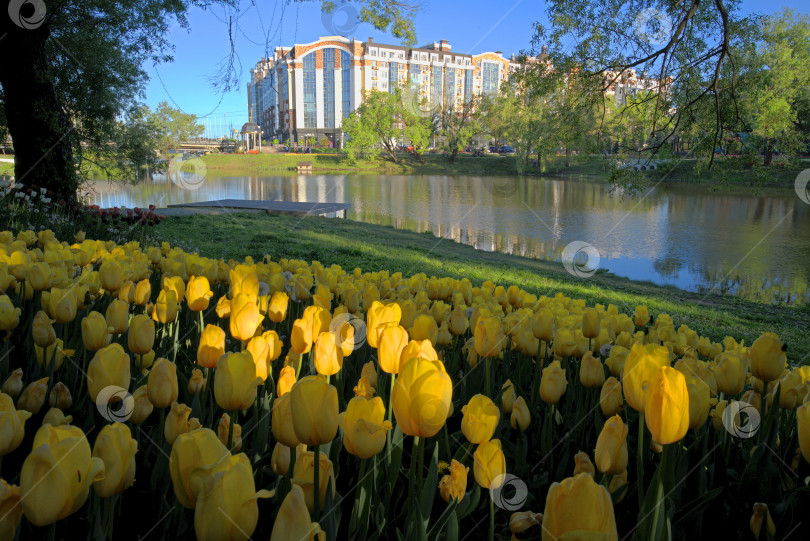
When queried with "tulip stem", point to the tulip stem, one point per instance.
{"points": [[390, 413], [234, 415], [487, 363], [316, 489], [491, 519], [640, 459], [162, 434]]}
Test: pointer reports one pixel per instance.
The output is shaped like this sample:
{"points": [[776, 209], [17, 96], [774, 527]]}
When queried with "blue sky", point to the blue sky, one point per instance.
{"points": [[471, 26]]}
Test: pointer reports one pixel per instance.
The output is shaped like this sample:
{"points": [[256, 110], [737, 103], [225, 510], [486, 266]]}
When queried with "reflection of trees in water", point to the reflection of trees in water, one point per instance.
{"points": [[751, 284], [669, 267]]}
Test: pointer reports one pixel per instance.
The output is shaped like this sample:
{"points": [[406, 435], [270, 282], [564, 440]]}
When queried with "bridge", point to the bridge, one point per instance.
{"points": [[205, 144]]}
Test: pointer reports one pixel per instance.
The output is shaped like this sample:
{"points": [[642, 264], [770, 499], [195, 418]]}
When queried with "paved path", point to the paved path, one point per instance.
{"points": [[272, 207]]}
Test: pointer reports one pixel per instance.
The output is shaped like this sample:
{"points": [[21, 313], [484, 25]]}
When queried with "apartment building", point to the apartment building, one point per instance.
{"points": [[308, 89]]}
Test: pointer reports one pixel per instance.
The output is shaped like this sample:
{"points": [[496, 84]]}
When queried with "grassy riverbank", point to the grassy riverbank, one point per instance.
{"points": [[581, 167], [372, 247]]}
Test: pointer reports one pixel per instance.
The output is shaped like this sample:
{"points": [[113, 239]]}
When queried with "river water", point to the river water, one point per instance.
{"points": [[686, 235]]}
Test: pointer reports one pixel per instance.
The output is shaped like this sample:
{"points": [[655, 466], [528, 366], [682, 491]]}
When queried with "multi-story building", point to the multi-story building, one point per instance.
{"points": [[307, 90]]}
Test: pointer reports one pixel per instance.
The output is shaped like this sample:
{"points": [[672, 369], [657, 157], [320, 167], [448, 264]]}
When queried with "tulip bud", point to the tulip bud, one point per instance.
{"points": [[364, 426], [42, 330], [10, 509], [521, 418], [422, 397], [489, 337], [591, 371], [39, 276], [236, 382], [583, 464], [33, 396], [161, 385], [281, 421], [116, 448], [143, 291], [245, 317], [280, 459], [143, 406], [198, 293], [392, 341], [12, 424], [196, 383], [509, 396], [222, 433], [109, 366], [14, 383], [277, 309], [166, 307], [314, 404], [667, 407], [117, 316], [761, 514], [141, 334], [195, 451], [95, 332], [60, 397], [56, 417], [611, 447], [489, 465], [552, 383], [453, 485], [328, 355], [304, 474], [293, 520], [640, 366], [768, 357], [610, 398], [521, 521], [699, 402], [177, 422], [480, 418], [111, 275], [58, 454], [590, 323], [579, 508]]}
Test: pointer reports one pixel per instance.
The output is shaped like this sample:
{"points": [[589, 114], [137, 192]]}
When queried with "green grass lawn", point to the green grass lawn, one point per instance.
{"points": [[372, 248]]}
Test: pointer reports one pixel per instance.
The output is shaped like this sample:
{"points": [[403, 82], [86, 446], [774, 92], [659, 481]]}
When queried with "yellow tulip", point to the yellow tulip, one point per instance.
{"points": [[142, 408], [39, 276], [280, 459], [286, 380], [111, 275], [293, 520], [610, 398], [328, 355], [56, 476], [10, 510], [508, 396], [227, 489], [641, 316], [553, 383], [109, 367], [392, 341], [480, 418], [453, 485], [424, 328], [176, 284], [582, 463], [54, 354], [304, 475], [117, 316], [245, 281], [369, 372], [236, 382], [9, 314], [63, 304], [489, 337], [33, 396], [489, 465], [521, 521], [281, 421], [314, 405], [60, 396], [245, 317], [166, 307], [667, 408], [198, 293], [611, 447], [211, 347], [12, 424], [223, 308], [458, 321], [178, 422], [141, 334], [42, 330], [378, 316], [418, 348], [578, 508], [521, 418], [161, 385], [192, 452], [761, 514], [95, 331], [143, 292], [301, 335], [116, 448], [127, 292], [14, 384], [260, 351], [224, 427], [422, 397], [542, 324], [640, 366], [590, 323], [768, 357], [364, 426], [729, 372], [277, 309], [591, 371], [699, 402], [565, 343], [196, 383]]}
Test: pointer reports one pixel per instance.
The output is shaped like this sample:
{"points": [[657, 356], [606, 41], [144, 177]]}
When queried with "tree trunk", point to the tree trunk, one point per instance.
{"points": [[453, 154], [37, 123], [768, 160], [567, 157]]}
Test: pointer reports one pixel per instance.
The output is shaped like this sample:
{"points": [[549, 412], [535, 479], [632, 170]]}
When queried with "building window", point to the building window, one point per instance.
{"points": [[416, 73], [450, 88], [329, 88], [490, 78], [436, 94], [346, 87], [468, 84], [310, 111], [393, 72]]}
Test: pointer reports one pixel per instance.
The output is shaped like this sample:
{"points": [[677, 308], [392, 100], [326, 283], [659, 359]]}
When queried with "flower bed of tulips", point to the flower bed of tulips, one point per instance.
{"points": [[152, 393]]}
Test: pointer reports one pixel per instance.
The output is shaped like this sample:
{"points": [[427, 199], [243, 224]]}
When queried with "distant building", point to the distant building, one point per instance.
{"points": [[307, 90]]}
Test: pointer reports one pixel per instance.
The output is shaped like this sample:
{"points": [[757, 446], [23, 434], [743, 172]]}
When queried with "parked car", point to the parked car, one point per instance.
{"points": [[493, 150], [506, 149]]}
